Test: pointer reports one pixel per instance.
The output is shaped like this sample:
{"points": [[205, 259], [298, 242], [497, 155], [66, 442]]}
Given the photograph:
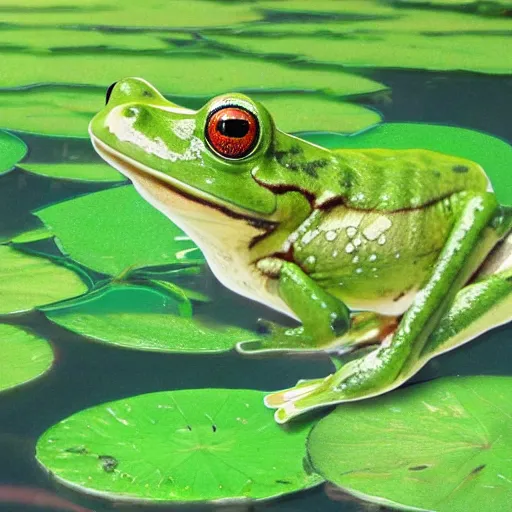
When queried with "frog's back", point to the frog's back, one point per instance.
{"points": [[389, 180]]}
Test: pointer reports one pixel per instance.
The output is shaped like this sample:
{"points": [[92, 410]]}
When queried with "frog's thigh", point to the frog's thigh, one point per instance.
{"points": [[466, 248], [323, 316], [479, 307]]}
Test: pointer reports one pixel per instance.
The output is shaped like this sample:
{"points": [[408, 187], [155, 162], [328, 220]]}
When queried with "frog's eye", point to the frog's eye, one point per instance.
{"points": [[232, 132]]}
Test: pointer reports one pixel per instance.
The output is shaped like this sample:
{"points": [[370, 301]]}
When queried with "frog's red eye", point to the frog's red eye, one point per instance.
{"points": [[232, 131]]}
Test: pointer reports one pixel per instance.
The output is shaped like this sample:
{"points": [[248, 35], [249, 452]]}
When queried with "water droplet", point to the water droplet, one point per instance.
{"points": [[349, 248], [311, 260], [351, 231], [359, 270], [355, 259], [334, 254], [397, 255], [357, 242], [330, 236], [372, 257], [381, 240]]}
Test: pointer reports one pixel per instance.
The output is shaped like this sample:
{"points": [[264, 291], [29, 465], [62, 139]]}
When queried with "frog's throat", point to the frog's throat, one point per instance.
{"points": [[131, 168]]}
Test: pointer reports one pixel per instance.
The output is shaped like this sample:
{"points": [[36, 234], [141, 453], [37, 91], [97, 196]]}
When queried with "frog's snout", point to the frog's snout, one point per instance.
{"points": [[109, 92]]}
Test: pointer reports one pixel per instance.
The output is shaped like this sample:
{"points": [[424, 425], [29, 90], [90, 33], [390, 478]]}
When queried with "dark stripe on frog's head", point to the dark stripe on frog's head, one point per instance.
{"points": [[293, 160], [460, 168]]}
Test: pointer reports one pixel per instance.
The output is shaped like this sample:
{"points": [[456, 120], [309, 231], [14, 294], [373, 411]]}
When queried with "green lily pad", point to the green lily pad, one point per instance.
{"points": [[23, 356], [415, 21], [34, 235], [198, 76], [12, 150], [351, 9], [468, 52], [444, 446], [67, 111], [178, 446], [493, 154], [115, 230], [151, 13], [142, 318], [299, 113], [483, 7], [54, 39], [28, 281], [94, 171]]}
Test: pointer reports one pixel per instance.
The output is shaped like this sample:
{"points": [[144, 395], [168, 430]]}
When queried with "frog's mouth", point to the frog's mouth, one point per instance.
{"points": [[134, 170]]}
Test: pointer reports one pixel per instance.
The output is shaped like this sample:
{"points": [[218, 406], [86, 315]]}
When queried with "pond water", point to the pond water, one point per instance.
{"points": [[87, 373]]}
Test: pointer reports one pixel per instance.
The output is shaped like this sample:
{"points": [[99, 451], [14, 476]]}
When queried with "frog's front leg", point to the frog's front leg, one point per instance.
{"points": [[323, 317], [478, 228]]}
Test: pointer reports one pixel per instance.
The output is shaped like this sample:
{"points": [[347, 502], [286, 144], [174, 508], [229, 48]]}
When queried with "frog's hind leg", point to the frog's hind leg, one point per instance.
{"points": [[476, 308]]}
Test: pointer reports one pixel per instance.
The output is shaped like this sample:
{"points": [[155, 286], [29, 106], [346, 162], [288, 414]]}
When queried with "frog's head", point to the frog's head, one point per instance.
{"points": [[209, 155], [220, 173]]}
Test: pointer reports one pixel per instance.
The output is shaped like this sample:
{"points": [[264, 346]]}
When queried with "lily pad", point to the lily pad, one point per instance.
{"points": [[493, 154], [23, 356], [468, 52], [67, 111], [115, 230], [28, 281], [198, 76], [178, 446], [94, 171], [444, 446], [34, 235], [414, 21], [151, 13], [12, 150], [142, 318], [300, 112], [78, 40]]}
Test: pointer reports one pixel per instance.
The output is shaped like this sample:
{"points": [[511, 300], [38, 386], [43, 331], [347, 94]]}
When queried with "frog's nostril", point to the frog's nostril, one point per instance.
{"points": [[109, 92]]}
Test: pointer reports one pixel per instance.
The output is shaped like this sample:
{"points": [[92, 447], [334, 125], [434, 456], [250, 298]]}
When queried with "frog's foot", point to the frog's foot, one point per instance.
{"points": [[276, 338], [358, 379]]}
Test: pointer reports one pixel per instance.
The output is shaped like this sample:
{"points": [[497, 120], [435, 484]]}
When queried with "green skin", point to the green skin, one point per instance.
{"points": [[397, 236]]}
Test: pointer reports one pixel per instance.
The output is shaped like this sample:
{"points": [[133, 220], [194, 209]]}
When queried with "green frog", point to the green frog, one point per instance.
{"points": [[386, 258]]}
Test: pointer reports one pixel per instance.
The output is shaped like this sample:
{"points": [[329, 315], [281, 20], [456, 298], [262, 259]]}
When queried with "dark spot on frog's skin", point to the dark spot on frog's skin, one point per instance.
{"points": [[436, 174], [287, 482], [478, 469], [460, 168], [79, 450], [509, 279], [108, 463], [189, 428], [147, 94], [214, 428], [419, 468], [398, 297], [291, 161]]}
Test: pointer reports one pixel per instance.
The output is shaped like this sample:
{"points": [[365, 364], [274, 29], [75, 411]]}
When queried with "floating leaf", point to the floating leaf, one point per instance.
{"points": [[468, 52], [23, 356], [67, 111], [418, 21], [12, 150], [28, 281], [199, 76], [75, 171], [33, 235], [115, 230], [111, 13], [178, 446], [53, 39], [443, 446], [142, 318], [493, 154], [299, 113]]}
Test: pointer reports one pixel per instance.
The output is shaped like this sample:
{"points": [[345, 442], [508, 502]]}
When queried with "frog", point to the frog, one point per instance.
{"points": [[382, 259]]}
